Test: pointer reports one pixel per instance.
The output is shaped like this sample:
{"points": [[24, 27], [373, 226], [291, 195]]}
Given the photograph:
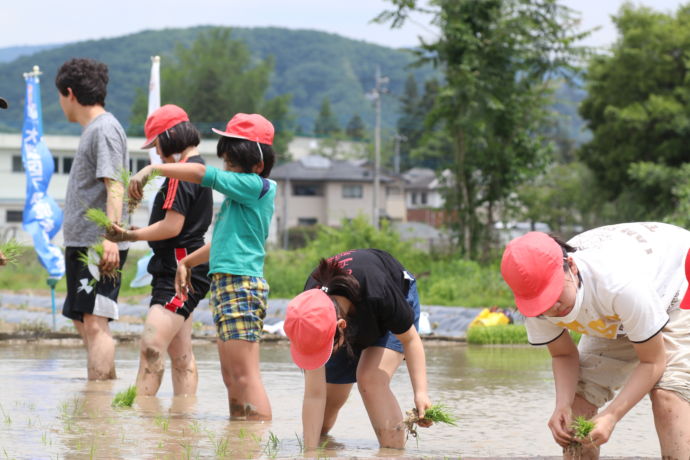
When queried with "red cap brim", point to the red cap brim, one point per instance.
{"points": [[149, 143], [311, 361], [537, 305], [685, 303], [226, 134]]}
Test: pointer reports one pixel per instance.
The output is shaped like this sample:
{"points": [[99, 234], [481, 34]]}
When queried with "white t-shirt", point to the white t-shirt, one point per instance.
{"points": [[632, 276]]}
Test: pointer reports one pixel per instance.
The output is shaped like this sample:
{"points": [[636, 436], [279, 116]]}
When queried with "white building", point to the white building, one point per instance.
{"points": [[13, 178]]}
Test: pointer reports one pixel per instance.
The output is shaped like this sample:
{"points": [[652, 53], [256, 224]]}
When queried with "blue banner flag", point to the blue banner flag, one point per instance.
{"points": [[42, 215]]}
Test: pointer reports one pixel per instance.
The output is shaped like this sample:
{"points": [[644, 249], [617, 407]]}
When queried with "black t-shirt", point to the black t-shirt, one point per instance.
{"points": [[383, 292], [191, 200]]}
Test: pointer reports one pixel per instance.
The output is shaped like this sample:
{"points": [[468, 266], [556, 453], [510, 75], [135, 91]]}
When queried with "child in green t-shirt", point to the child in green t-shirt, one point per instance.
{"points": [[239, 292]]}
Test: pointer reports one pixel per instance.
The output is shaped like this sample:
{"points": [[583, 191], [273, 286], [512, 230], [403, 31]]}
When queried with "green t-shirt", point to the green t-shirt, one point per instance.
{"points": [[241, 228]]}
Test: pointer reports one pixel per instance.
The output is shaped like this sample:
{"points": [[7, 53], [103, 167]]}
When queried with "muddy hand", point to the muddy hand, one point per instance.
{"points": [[137, 183], [115, 233], [183, 278], [559, 424], [111, 257], [422, 403], [602, 430]]}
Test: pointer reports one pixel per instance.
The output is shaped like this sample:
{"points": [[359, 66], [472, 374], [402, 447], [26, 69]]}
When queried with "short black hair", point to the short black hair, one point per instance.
{"points": [[88, 79], [178, 138], [246, 154]]}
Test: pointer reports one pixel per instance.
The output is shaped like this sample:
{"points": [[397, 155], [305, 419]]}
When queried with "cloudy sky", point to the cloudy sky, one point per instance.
{"points": [[47, 21]]}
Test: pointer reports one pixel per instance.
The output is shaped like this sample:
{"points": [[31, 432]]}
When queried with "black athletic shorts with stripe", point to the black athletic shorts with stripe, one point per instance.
{"points": [[162, 267]]}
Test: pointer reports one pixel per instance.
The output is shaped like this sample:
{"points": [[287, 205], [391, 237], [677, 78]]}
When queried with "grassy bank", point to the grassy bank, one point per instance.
{"points": [[442, 279], [509, 334]]}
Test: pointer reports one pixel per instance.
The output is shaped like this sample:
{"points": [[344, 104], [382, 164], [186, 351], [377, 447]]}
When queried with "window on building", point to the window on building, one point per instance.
{"points": [[307, 221], [423, 198], [307, 190], [414, 197], [67, 164], [14, 216], [17, 165], [352, 191]]}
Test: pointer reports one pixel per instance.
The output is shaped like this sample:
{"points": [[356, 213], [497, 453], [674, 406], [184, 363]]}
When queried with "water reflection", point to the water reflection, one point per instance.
{"points": [[502, 397]]}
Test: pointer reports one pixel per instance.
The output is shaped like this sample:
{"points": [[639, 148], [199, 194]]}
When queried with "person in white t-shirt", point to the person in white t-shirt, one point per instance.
{"points": [[623, 287]]}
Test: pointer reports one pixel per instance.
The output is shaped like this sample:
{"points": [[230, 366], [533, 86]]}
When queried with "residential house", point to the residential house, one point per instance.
{"points": [[315, 189], [423, 196]]}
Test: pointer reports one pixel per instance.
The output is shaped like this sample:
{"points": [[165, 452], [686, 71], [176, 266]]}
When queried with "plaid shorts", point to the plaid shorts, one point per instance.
{"points": [[238, 304]]}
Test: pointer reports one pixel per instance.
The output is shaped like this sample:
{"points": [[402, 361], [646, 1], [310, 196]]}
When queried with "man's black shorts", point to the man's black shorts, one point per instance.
{"points": [[85, 294]]}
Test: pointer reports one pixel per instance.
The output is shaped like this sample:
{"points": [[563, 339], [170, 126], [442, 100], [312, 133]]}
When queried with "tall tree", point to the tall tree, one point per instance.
{"points": [[355, 128], [326, 124], [216, 77], [496, 56], [637, 109]]}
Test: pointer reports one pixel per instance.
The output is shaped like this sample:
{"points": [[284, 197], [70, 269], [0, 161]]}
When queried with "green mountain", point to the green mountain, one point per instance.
{"points": [[309, 65]]}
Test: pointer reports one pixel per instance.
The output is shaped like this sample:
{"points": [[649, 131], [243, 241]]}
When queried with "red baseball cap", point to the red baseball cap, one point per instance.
{"points": [[310, 323], [685, 303], [161, 120], [250, 126], [532, 265]]}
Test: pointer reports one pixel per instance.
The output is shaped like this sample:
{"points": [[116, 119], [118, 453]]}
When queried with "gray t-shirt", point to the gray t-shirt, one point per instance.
{"points": [[102, 153]]}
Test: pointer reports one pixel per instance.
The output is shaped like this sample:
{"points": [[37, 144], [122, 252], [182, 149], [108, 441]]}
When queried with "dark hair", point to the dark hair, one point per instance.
{"points": [[331, 275], [566, 248], [88, 79], [178, 138], [246, 154]]}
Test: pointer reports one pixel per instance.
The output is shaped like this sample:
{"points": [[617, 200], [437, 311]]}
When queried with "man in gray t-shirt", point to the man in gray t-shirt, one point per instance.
{"points": [[101, 157]]}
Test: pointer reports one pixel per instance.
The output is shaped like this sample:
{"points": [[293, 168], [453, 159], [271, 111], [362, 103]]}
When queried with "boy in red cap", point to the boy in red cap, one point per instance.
{"points": [[355, 322], [622, 289], [91, 300], [180, 217], [238, 290]]}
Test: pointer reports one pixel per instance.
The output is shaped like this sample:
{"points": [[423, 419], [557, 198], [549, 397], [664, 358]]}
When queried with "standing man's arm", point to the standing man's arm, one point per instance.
{"points": [[113, 209]]}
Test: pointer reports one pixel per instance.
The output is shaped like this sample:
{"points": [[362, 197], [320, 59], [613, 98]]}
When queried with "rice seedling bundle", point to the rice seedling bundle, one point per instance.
{"points": [[437, 413], [125, 398], [9, 251]]}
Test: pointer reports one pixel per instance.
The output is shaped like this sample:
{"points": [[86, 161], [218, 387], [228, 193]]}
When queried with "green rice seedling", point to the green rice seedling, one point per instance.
{"points": [[221, 446], [271, 447], [300, 443], [162, 422], [437, 413], [98, 217], [93, 256], [125, 178], [581, 430], [9, 251], [125, 398], [582, 427]]}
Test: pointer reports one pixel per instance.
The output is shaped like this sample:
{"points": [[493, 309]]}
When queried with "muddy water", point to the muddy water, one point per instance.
{"points": [[503, 397]]}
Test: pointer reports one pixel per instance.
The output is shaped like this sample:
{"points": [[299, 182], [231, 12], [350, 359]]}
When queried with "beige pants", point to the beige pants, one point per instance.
{"points": [[606, 364]]}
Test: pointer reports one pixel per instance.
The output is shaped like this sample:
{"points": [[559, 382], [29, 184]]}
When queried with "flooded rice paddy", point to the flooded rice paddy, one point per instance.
{"points": [[502, 396]]}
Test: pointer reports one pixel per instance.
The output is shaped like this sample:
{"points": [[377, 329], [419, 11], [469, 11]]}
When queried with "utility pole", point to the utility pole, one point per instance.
{"points": [[286, 194], [396, 160], [375, 94]]}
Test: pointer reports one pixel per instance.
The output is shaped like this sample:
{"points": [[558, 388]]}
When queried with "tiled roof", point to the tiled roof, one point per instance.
{"points": [[317, 168]]}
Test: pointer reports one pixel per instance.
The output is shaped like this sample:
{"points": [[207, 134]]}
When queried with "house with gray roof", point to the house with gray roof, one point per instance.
{"points": [[315, 189]]}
